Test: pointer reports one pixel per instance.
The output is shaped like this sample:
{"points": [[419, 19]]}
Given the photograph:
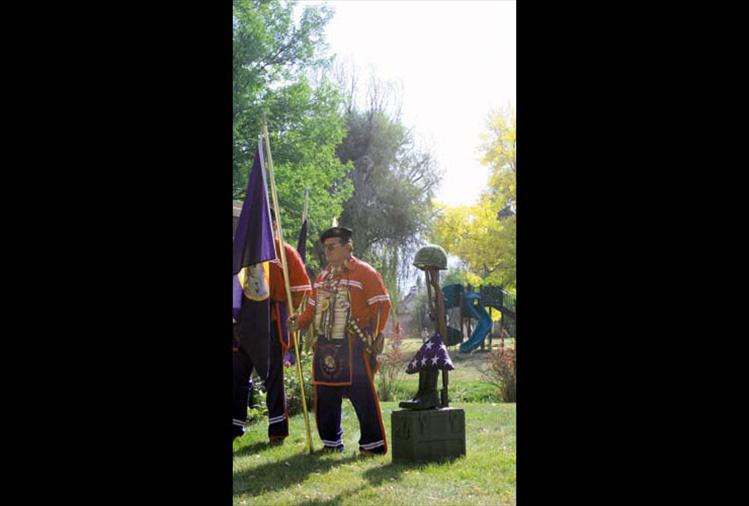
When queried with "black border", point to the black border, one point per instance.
{"points": [[134, 231]]}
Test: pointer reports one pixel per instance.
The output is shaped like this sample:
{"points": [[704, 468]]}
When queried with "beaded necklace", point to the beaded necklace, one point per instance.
{"points": [[331, 284]]}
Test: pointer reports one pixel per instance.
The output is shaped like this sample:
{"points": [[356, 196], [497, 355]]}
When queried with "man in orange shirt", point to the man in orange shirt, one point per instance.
{"points": [[348, 310], [248, 326]]}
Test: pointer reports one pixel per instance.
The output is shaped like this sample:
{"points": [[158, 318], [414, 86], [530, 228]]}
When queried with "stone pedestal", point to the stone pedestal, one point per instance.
{"points": [[428, 435]]}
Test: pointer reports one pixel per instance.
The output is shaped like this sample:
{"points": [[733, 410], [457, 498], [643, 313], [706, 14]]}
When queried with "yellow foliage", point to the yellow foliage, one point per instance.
{"points": [[475, 233]]}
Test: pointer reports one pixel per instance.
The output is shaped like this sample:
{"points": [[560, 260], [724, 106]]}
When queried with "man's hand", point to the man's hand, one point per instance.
{"points": [[292, 324], [378, 344]]}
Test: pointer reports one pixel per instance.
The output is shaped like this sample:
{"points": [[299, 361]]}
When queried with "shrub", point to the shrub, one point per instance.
{"points": [[500, 372], [291, 385], [392, 365], [258, 410]]}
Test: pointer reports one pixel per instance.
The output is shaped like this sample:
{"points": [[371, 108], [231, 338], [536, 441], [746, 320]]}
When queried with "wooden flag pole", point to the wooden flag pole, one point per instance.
{"points": [[303, 304], [441, 325], [285, 269]]}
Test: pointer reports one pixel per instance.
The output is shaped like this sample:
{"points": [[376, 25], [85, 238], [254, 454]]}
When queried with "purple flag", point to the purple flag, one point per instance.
{"points": [[432, 355], [253, 240], [253, 244]]}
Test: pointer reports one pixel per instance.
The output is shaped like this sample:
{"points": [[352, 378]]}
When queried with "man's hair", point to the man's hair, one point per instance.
{"points": [[343, 234]]}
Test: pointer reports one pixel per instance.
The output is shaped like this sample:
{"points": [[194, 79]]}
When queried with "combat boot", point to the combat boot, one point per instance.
{"points": [[426, 397]]}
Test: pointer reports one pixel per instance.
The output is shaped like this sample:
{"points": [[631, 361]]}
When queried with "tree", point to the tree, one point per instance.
{"points": [[461, 275], [273, 58], [269, 52], [483, 235], [499, 149], [393, 180]]}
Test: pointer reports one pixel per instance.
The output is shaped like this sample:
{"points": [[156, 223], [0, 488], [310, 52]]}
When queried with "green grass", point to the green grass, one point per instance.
{"points": [[459, 391], [287, 474]]}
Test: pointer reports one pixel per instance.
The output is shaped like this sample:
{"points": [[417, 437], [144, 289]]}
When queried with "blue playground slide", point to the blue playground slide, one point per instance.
{"points": [[483, 325]]}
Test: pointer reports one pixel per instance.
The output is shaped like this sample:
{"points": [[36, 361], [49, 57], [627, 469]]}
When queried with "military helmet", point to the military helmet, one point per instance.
{"points": [[431, 256]]}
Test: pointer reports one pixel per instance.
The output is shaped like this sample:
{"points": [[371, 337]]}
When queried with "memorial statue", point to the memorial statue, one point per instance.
{"points": [[432, 357]]}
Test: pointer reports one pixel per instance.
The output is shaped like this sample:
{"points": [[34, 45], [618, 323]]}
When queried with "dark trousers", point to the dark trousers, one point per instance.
{"points": [[362, 394], [278, 422]]}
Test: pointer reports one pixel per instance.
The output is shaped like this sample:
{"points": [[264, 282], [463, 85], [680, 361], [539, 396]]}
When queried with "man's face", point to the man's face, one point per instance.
{"points": [[335, 252]]}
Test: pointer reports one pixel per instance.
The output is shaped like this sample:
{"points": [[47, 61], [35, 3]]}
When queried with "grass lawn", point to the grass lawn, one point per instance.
{"points": [[287, 474]]}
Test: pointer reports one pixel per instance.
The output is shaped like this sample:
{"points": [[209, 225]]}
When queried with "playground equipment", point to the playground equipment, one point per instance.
{"points": [[463, 305], [495, 297]]}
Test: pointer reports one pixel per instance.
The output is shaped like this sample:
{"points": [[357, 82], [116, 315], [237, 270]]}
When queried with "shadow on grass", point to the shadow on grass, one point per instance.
{"points": [[387, 472], [253, 448], [392, 471], [285, 473], [335, 501]]}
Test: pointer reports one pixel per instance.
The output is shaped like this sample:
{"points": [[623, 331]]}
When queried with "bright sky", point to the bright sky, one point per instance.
{"points": [[454, 60]]}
